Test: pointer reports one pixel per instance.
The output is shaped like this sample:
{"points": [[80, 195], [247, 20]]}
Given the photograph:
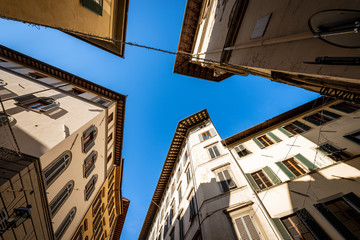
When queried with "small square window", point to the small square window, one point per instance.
{"points": [[206, 135], [110, 137], [110, 117], [261, 179], [109, 157], [295, 167], [76, 91], [241, 150], [265, 140]]}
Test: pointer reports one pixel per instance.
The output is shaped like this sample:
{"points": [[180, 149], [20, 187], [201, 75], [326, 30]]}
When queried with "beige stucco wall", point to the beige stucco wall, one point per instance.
{"points": [[43, 134], [67, 14]]}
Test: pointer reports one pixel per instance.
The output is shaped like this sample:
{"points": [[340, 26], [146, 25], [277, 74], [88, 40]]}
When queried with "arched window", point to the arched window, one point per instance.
{"points": [[61, 197], [65, 224], [57, 167], [90, 186], [88, 139], [89, 163]]}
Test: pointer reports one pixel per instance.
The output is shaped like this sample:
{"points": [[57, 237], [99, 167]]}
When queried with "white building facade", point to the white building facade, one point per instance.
{"points": [[73, 126], [305, 167], [203, 195]]}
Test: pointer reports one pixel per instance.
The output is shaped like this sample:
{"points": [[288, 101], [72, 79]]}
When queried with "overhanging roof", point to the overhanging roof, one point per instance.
{"points": [[77, 81], [187, 37], [121, 219], [171, 158], [276, 120]]}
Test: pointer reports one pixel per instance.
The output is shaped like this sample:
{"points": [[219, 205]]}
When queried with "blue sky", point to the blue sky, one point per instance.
{"points": [[157, 98]]}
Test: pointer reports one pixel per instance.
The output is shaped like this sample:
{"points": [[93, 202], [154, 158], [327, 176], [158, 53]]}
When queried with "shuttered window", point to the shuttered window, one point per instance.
{"points": [[214, 152], [295, 167], [65, 224], [246, 228], [181, 228], [56, 168], [179, 194], [3, 219], [207, 135], [61, 197], [89, 163], [261, 179], [241, 150], [79, 233], [226, 182], [296, 228], [42, 104], [355, 137], [333, 152], [321, 117], [192, 208], [344, 214], [93, 5], [294, 128], [265, 141], [346, 107], [88, 139], [90, 186], [188, 175]]}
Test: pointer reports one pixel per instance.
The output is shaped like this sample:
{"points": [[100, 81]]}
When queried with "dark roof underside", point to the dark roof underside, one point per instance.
{"points": [[187, 38], [171, 158], [121, 219], [276, 120], [77, 81]]}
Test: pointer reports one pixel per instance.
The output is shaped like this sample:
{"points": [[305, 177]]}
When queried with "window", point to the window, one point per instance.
{"points": [[214, 152], [261, 179], [246, 228], [343, 213], [85, 224], [2, 83], [296, 168], [110, 117], [109, 157], [172, 236], [76, 91], [181, 228], [207, 135], [265, 141], [42, 104], [178, 174], [294, 128], [172, 188], [89, 163], [171, 215], [346, 107], [296, 228], [79, 234], [333, 152], [57, 167], [166, 226], [94, 5], [192, 208], [97, 204], [65, 224], [102, 101], [241, 150], [179, 193], [110, 137], [88, 139], [61, 197], [3, 219], [355, 137], [188, 175], [36, 75], [321, 117], [3, 119], [90, 186], [225, 179]]}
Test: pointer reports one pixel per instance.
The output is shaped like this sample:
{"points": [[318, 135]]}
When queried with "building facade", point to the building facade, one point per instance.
{"points": [[305, 166], [201, 193], [312, 45], [294, 176], [85, 19], [75, 129]]}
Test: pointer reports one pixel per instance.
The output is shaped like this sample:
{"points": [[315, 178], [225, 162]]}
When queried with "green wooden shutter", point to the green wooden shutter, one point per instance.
{"points": [[212, 132], [273, 136], [274, 179], [252, 182], [285, 170], [258, 143], [310, 165], [282, 230], [311, 224], [331, 114], [93, 6], [286, 132], [301, 125]]}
